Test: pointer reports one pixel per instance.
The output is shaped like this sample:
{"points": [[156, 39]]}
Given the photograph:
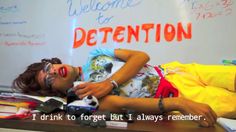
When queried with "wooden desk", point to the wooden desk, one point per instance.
{"points": [[71, 126]]}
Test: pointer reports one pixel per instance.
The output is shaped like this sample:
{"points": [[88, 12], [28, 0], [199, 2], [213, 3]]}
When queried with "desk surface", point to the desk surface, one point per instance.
{"points": [[71, 126]]}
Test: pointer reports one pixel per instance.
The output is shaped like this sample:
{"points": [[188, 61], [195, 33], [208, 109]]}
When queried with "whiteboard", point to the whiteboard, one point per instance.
{"points": [[34, 29]]}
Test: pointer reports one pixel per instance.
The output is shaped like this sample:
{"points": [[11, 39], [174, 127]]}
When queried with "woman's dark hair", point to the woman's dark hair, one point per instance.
{"points": [[27, 81]]}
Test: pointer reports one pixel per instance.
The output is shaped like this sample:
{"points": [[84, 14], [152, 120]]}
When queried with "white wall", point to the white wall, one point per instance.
{"points": [[34, 29]]}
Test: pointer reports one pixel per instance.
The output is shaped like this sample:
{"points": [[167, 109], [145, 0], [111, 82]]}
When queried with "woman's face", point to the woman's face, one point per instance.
{"points": [[57, 76]]}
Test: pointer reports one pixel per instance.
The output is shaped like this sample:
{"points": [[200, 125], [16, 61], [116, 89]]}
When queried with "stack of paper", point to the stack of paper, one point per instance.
{"points": [[17, 109], [14, 105], [228, 124]]}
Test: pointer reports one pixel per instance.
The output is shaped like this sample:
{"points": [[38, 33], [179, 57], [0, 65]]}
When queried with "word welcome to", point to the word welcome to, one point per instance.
{"points": [[82, 7], [129, 34]]}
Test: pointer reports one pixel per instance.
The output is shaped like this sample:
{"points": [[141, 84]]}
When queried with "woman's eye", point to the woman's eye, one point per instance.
{"points": [[47, 68]]}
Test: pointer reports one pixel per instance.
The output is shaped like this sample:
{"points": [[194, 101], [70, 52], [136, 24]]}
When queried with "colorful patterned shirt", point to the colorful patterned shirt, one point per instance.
{"points": [[102, 63]]}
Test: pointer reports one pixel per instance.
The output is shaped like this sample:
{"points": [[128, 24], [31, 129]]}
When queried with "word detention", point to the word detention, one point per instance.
{"points": [[128, 34]]}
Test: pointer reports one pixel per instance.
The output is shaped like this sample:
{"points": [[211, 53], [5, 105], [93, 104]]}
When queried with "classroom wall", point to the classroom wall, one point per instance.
{"points": [[199, 31]]}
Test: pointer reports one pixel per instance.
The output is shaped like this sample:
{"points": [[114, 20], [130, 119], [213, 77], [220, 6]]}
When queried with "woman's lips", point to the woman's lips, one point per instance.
{"points": [[62, 71]]}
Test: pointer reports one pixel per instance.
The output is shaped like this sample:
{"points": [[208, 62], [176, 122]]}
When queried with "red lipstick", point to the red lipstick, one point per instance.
{"points": [[62, 71]]}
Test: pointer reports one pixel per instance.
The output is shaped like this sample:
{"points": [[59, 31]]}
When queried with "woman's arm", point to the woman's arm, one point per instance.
{"points": [[150, 106], [135, 60]]}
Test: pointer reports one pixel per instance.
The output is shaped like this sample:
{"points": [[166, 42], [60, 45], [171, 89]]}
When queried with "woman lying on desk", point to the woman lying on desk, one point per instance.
{"points": [[113, 75]]}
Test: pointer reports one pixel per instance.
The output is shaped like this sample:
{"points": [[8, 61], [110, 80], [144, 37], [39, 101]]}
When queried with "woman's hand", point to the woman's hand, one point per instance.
{"points": [[97, 89], [189, 107]]}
